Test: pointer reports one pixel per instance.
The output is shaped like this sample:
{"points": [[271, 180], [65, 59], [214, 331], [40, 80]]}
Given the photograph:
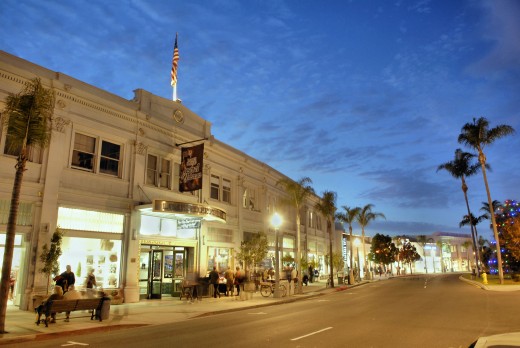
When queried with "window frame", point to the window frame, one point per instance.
{"points": [[97, 156]]}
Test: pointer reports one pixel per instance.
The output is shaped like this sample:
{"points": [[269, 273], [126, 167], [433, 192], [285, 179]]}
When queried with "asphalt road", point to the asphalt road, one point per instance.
{"points": [[422, 311]]}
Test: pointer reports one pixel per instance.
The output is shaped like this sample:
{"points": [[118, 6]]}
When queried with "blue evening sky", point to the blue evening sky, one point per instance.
{"points": [[366, 98]]}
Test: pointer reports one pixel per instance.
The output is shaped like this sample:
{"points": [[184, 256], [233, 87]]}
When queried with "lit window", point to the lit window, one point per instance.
{"points": [[165, 173]]}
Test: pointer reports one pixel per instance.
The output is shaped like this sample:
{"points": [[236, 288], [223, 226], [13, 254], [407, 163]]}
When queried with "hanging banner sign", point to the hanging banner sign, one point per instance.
{"points": [[190, 178]]}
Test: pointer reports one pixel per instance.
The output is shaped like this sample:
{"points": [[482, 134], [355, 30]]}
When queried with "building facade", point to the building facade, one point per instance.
{"points": [[110, 181]]}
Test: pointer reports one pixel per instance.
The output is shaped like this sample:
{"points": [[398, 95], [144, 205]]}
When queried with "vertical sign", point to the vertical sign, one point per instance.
{"points": [[190, 178]]}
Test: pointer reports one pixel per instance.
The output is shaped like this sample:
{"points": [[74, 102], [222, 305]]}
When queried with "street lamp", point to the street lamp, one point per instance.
{"points": [[276, 222]]}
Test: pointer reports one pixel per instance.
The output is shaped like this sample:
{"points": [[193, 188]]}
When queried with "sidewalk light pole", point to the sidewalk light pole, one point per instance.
{"points": [[276, 222]]}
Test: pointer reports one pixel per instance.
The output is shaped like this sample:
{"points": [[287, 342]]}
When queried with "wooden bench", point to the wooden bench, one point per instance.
{"points": [[93, 305]]}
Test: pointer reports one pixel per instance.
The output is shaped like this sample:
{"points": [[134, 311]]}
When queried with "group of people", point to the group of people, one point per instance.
{"points": [[64, 289], [233, 280]]}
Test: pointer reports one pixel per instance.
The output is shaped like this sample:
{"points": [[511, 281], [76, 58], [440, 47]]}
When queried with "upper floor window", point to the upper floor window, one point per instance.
{"points": [[226, 190], [158, 171], [220, 188], [85, 155], [33, 153], [249, 199], [215, 187]]}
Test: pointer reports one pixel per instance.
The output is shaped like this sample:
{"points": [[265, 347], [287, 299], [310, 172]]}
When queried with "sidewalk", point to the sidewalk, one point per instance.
{"points": [[21, 326]]}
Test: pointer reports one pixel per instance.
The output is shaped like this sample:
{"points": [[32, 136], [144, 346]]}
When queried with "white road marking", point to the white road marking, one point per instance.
{"points": [[257, 313], [312, 333], [323, 300], [72, 343]]}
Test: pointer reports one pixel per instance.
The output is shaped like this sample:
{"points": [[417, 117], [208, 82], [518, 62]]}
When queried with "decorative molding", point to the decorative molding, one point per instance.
{"points": [[59, 124], [67, 87], [140, 148], [141, 132], [61, 104]]}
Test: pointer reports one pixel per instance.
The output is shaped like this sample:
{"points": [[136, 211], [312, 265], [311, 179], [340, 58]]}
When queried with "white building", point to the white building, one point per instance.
{"points": [[110, 181]]}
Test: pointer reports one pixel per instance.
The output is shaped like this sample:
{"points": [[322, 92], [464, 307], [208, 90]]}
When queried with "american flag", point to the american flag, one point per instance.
{"points": [[175, 62]]}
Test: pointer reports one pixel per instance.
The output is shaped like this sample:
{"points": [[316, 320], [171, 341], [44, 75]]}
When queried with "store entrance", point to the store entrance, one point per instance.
{"points": [[162, 270]]}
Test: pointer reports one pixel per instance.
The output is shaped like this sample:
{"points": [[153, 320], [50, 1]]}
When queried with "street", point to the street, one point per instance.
{"points": [[417, 311]]}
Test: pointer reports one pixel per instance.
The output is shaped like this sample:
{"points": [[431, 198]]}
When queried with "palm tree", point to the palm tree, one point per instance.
{"points": [[28, 119], [477, 135], [460, 168], [474, 221], [297, 192], [327, 207], [487, 212], [365, 215], [466, 245], [348, 217]]}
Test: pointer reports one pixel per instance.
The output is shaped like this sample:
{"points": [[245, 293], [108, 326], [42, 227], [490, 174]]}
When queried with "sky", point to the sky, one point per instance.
{"points": [[366, 98]]}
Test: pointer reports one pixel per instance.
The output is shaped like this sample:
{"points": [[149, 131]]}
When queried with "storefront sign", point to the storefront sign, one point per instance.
{"points": [[187, 224], [190, 209]]}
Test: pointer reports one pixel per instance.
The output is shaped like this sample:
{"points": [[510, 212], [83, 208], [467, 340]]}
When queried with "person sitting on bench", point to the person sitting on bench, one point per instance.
{"points": [[56, 295]]}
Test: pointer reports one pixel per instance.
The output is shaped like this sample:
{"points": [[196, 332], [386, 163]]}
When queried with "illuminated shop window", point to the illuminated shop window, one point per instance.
{"points": [[88, 220], [85, 254], [219, 257]]}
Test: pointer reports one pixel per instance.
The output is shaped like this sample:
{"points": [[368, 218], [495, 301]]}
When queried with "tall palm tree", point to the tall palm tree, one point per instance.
{"points": [[348, 217], [297, 192], [327, 207], [477, 135], [487, 212], [28, 119], [365, 215], [460, 168], [474, 221]]}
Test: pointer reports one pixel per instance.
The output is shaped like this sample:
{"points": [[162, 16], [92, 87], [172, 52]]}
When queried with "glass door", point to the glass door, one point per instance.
{"points": [[179, 270], [144, 274], [157, 268]]}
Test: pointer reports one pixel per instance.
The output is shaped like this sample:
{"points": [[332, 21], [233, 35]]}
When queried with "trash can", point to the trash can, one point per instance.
{"points": [[104, 312]]}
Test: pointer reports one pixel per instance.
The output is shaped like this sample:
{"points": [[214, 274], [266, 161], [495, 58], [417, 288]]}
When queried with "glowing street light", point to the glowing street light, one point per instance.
{"points": [[276, 222]]}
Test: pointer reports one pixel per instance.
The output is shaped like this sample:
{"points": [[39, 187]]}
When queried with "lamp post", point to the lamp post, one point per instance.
{"points": [[276, 222]]}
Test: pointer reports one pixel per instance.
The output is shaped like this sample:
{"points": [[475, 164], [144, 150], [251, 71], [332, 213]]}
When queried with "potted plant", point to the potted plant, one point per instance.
{"points": [[251, 252], [50, 255]]}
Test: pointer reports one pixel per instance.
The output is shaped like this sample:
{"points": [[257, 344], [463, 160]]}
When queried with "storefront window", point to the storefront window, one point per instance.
{"points": [[85, 254], [218, 257]]}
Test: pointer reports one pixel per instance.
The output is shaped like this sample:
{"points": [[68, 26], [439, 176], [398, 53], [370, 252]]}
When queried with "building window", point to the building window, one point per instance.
{"points": [[151, 170], [249, 199], [226, 191], [109, 163], [84, 152], [223, 235], [311, 215], [158, 172], [84, 155], [318, 222], [215, 187]]}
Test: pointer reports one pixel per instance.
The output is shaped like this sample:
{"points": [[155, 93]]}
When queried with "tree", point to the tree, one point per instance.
{"points": [[382, 250], [337, 261], [348, 217], [460, 168], [253, 251], [466, 245], [474, 221], [365, 215], [50, 255], [477, 135], [28, 119], [508, 224], [327, 207], [297, 192], [409, 254]]}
